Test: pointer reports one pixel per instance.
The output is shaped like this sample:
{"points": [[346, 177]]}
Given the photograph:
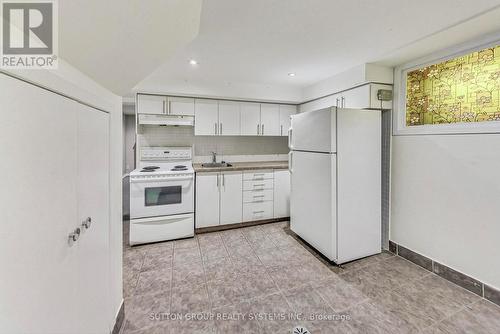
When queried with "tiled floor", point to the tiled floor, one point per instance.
{"points": [[262, 280]]}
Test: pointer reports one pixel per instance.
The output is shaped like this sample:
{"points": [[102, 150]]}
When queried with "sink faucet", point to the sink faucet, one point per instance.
{"points": [[214, 157]]}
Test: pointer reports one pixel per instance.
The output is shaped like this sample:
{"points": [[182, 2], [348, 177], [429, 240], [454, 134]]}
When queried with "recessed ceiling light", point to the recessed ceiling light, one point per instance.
{"points": [[291, 74], [193, 62]]}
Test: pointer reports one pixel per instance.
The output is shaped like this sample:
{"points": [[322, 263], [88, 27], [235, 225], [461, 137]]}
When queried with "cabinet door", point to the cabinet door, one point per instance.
{"points": [[181, 106], [231, 197], [151, 104], [206, 117], [229, 118], [93, 203], [285, 112], [250, 119], [38, 205], [281, 193], [357, 98], [270, 120], [207, 199]]}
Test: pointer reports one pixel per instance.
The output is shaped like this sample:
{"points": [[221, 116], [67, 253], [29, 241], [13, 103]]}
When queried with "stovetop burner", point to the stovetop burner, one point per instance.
{"points": [[150, 167], [179, 168]]}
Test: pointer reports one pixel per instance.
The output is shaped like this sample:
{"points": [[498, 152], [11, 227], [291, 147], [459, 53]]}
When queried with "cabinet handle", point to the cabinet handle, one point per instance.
{"points": [[74, 236], [215, 128], [220, 130], [262, 128], [224, 180], [261, 211], [259, 185], [258, 196], [343, 102], [217, 180], [163, 106], [337, 102], [86, 223], [258, 129], [281, 130]]}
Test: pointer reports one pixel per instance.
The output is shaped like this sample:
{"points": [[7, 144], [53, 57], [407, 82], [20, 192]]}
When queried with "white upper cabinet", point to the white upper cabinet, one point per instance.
{"points": [[151, 104], [356, 98], [206, 117], [181, 106], [229, 118], [231, 199], [285, 112], [250, 119], [270, 120]]}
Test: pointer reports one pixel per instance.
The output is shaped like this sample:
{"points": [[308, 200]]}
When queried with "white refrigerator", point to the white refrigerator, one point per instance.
{"points": [[335, 168]]}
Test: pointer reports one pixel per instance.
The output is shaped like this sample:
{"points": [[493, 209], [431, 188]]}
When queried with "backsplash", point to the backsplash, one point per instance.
{"points": [[204, 145]]}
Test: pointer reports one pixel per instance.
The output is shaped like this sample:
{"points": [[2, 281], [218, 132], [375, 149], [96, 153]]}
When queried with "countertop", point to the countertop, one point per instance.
{"points": [[239, 166]]}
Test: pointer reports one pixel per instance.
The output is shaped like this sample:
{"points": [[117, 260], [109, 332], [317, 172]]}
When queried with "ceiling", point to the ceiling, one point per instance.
{"points": [[119, 42], [261, 41], [251, 46]]}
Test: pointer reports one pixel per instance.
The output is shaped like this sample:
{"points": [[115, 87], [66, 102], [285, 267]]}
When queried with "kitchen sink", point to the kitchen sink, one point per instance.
{"points": [[216, 164]]}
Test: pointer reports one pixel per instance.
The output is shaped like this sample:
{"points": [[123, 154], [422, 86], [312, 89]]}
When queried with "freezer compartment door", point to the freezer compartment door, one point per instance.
{"points": [[313, 200], [313, 131]]}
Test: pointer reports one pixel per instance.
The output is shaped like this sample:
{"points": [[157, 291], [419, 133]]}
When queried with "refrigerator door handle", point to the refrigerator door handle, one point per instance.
{"points": [[290, 161], [290, 138]]}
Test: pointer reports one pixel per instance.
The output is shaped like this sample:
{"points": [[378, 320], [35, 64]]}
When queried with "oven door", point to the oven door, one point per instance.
{"points": [[165, 197]]}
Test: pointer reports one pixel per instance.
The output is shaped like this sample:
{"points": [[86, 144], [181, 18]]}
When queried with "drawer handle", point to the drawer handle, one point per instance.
{"points": [[257, 196], [261, 211], [259, 185]]}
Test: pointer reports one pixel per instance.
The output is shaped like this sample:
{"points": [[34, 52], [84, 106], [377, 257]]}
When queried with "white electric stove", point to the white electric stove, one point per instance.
{"points": [[162, 195]]}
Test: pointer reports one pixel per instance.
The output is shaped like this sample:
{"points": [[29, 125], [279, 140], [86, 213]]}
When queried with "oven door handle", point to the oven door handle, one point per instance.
{"points": [[163, 179]]}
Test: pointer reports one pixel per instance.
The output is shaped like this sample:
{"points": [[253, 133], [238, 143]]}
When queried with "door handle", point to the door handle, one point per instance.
{"points": [[290, 162], [290, 138]]}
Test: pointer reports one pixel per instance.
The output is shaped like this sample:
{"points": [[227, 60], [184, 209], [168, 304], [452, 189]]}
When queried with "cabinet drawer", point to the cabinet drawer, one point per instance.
{"points": [[258, 175], [258, 184], [254, 196], [257, 211]]}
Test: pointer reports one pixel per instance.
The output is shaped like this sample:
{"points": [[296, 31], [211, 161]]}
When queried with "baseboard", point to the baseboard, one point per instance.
{"points": [[473, 285], [120, 317], [239, 225]]}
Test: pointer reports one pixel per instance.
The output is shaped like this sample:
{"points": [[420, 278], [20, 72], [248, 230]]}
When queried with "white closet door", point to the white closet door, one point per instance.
{"points": [[38, 293], [93, 202]]}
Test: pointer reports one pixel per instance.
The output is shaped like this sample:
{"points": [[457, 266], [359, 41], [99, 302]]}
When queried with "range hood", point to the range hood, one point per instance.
{"points": [[166, 120]]}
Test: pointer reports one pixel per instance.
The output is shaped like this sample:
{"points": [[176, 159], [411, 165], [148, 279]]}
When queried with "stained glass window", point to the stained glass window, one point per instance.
{"points": [[463, 89]]}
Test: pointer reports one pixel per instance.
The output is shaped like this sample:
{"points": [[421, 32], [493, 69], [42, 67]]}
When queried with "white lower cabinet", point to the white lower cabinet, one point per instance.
{"points": [[234, 197], [230, 197], [207, 200], [281, 193], [218, 198], [257, 210]]}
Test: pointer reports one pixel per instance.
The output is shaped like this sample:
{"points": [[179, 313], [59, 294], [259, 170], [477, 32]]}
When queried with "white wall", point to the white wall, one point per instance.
{"points": [[204, 145], [446, 200], [69, 81], [128, 143]]}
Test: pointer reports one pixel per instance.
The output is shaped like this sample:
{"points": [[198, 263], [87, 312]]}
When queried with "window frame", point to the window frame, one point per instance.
{"points": [[399, 113]]}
